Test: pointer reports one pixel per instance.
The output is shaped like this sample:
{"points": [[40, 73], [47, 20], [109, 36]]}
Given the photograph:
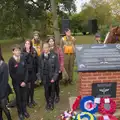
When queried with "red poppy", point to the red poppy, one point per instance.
{"points": [[76, 103], [16, 65], [111, 117], [102, 108]]}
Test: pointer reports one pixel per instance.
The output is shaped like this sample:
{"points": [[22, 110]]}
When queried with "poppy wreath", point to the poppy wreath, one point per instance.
{"points": [[87, 104], [76, 103], [85, 115], [109, 117], [112, 106]]}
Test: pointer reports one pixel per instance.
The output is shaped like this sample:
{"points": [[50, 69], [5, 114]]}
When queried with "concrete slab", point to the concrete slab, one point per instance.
{"points": [[72, 99]]}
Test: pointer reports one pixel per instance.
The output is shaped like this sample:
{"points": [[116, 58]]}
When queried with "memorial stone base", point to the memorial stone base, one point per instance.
{"points": [[86, 80]]}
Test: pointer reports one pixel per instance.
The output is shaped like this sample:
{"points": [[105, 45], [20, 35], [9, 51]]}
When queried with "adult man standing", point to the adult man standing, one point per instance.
{"points": [[98, 38], [36, 42], [68, 46], [37, 45]]}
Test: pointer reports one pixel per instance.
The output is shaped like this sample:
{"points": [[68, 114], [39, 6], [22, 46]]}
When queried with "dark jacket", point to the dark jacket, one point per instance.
{"points": [[53, 67], [3, 80], [31, 59], [32, 64], [18, 71]]}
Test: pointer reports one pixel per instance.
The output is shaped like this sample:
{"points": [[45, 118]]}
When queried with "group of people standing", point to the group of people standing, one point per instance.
{"points": [[36, 61]]}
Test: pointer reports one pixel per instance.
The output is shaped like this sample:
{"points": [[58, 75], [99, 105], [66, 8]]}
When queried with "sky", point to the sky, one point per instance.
{"points": [[79, 3]]}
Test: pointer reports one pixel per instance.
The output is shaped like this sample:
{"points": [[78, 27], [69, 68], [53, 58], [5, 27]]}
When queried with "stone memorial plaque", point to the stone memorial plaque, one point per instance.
{"points": [[98, 57], [104, 89]]}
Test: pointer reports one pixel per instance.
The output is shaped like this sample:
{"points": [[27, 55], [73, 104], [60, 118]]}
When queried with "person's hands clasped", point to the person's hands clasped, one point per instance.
{"points": [[23, 84], [52, 81]]}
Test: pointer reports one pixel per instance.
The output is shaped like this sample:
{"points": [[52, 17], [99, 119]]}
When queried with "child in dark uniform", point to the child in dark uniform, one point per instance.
{"points": [[19, 75], [48, 70], [31, 59], [3, 88]]}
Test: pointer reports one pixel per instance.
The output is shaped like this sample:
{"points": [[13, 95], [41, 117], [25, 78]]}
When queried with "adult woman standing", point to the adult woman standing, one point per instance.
{"points": [[31, 59], [59, 52], [3, 88]]}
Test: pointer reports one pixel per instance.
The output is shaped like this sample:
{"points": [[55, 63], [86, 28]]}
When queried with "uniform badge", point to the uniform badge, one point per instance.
{"points": [[53, 56]]}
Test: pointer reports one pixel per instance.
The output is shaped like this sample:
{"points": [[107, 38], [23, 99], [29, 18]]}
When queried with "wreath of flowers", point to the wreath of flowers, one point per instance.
{"points": [[76, 103], [102, 109], [87, 104], [109, 117], [67, 115], [87, 115]]}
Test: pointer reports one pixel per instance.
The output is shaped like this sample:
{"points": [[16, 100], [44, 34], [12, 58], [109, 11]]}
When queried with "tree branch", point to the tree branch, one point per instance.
{"points": [[35, 3]]}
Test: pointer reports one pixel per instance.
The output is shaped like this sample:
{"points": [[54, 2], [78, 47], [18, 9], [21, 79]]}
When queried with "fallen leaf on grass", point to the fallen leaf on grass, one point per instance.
{"points": [[62, 91], [69, 93], [35, 111]]}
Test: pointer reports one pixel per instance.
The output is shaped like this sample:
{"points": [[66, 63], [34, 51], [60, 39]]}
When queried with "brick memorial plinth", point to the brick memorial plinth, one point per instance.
{"points": [[99, 71], [86, 79]]}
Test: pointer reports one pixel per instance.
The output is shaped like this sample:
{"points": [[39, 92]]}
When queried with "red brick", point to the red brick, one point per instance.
{"points": [[85, 81], [108, 73], [102, 77], [85, 78], [92, 78], [112, 77], [118, 84], [107, 80], [116, 73]]}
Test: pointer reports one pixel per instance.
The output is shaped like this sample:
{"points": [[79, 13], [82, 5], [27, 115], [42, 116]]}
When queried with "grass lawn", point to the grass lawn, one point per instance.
{"points": [[39, 112]]}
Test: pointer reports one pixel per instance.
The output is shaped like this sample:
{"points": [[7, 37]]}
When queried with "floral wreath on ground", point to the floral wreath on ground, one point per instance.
{"points": [[85, 115], [68, 115], [87, 104], [76, 103], [107, 117], [111, 106]]}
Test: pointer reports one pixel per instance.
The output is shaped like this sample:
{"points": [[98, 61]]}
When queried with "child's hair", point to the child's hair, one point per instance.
{"points": [[66, 30], [53, 38], [1, 57], [31, 46], [45, 43], [16, 46]]}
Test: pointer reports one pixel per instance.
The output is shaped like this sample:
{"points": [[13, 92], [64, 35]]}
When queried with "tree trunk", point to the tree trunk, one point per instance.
{"points": [[55, 21]]}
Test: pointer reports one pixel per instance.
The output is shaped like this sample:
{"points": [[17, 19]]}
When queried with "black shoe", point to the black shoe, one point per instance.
{"points": [[52, 107], [26, 114], [70, 82], [66, 83], [57, 99], [33, 103], [47, 107], [30, 105], [12, 104], [21, 117]]}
